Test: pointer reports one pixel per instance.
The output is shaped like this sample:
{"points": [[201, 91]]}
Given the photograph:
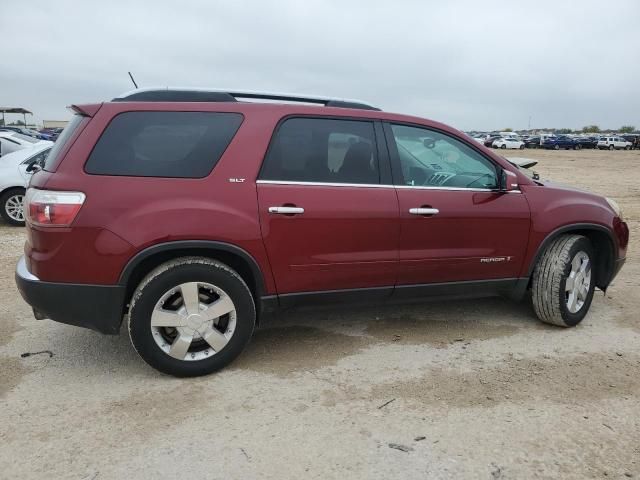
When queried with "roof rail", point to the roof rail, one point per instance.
{"points": [[171, 94]]}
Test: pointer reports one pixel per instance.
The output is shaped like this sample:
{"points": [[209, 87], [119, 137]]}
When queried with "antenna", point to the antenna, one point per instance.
{"points": [[134, 82]]}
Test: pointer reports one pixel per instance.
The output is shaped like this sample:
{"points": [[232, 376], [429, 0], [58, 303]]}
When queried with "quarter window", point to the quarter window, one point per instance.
{"points": [[323, 150], [163, 144], [433, 159]]}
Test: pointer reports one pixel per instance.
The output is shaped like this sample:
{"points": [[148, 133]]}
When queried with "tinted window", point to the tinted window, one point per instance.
{"points": [[432, 159], [163, 144], [52, 159], [322, 150]]}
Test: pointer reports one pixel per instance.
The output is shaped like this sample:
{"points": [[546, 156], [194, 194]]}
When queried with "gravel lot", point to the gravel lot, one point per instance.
{"points": [[473, 389]]}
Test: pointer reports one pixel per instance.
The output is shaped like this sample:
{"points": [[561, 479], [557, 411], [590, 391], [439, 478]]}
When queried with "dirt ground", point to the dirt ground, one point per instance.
{"points": [[473, 389]]}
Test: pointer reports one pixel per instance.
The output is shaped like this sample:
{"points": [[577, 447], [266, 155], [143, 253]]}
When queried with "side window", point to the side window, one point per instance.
{"points": [[163, 144], [322, 150], [432, 159]]}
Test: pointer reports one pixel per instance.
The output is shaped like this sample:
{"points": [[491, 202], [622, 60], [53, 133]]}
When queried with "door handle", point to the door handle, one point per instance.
{"points": [[286, 210], [424, 211]]}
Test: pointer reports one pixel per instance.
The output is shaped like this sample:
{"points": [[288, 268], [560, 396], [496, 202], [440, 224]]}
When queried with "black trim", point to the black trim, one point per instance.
{"points": [[463, 289], [384, 162], [510, 287], [352, 295], [167, 95], [176, 96], [98, 307], [576, 226], [198, 245]]}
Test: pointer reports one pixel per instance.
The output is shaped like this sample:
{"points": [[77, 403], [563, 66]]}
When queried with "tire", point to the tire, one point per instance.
{"points": [[551, 300], [503, 146], [611, 147], [557, 147], [627, 147], [161, 293], [577, 147], [521, 147], [11, 206]]}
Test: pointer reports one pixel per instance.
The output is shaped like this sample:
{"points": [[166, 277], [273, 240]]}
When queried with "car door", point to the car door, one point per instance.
{"points": [[455, 225], [328, 210]]}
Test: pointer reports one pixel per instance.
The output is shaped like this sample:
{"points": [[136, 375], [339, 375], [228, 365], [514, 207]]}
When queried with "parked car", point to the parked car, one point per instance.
{"points": [[488, 142], [11, 141], [634, 139], [559, 142], [50, 133], [15, 171], [532, 142], [586, 142], [614, 143], [226, 210], [508, 142], [22, 130]]}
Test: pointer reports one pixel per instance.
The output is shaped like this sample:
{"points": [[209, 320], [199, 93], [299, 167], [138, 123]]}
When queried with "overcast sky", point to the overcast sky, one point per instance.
{"points": [[472, 64]]}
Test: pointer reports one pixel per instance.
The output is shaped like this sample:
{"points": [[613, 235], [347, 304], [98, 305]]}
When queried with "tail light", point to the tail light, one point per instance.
{"points": [[49, 208]]}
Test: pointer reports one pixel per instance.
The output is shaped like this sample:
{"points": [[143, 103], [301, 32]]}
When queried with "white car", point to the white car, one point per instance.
{"points": [[508, 142], [15, 170], [614, 143], [14, 141]]}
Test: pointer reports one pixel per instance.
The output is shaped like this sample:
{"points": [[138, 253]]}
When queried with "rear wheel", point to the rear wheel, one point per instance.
{"points": [[11, 206], [557, 147], [627, 147], [191, 316], [563, 281], [522, 147], [611, 147], [503, 146], [577, 147]]}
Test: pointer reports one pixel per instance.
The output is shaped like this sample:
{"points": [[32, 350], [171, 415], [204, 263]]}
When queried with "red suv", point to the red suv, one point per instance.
{"points": [[190, 213]]}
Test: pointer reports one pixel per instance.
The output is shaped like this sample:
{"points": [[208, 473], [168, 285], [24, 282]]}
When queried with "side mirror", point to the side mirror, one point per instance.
{"points": [[33, 167], [429, 142], [508, 181]]}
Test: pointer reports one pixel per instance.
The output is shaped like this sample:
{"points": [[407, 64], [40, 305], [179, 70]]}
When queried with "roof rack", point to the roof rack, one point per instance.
{"points": [[171, 94]]}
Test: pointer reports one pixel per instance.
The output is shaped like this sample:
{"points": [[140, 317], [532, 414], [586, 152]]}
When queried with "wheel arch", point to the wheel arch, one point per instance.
{"points": [[235, 257], [603, 242]]}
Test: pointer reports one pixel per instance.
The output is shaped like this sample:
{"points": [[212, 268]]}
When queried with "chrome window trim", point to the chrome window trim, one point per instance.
{"points": [[323, 184], [378, 185]]}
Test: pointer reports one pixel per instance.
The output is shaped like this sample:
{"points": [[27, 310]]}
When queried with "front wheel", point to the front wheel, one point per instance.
{"points": [[521, 147], [557, 147], [563, 281], [191, 316], [611, 147], [577, 147], [503, 146], [11, 206]]}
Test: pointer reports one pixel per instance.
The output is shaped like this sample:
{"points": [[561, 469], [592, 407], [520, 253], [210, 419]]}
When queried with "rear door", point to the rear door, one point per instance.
{"points": [[455, 225], [328, 210]]}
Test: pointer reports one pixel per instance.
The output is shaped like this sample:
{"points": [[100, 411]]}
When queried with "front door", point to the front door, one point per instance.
{"points": [[328, 211], [455, 225]]}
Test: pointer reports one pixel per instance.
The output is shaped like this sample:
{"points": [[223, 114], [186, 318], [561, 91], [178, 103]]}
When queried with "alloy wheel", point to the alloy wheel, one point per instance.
{"points": [[193, 321], [578, 282], [14, 207]]}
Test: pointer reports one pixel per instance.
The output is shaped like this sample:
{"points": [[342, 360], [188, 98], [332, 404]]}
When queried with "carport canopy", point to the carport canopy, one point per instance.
{"points": [[18, 110]]}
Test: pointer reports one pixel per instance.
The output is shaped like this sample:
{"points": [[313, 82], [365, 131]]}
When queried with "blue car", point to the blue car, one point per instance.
{"points": [[556, 143]]}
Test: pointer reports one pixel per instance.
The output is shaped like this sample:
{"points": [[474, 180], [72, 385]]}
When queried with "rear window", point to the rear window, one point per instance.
{"points": [[52, 159], [163, 144]]}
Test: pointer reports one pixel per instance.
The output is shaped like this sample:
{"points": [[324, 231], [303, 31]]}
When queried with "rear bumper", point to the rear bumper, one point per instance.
{"points": [[98, 307]]}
